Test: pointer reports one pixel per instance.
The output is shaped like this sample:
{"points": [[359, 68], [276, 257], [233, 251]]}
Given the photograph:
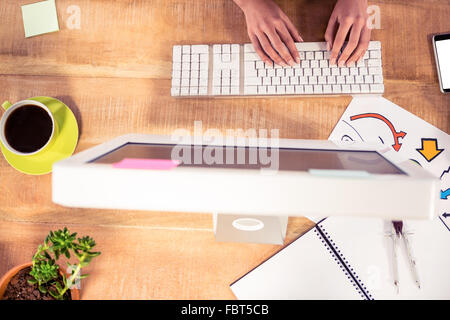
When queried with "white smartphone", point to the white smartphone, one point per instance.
{"points": [[441, 45]]}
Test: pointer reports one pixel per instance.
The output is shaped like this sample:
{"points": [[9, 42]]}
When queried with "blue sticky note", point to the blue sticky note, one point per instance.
{"points": [[40, 18]]}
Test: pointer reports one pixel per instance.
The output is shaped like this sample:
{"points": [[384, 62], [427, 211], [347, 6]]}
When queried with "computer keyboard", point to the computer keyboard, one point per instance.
{"points": [[236, 70]]}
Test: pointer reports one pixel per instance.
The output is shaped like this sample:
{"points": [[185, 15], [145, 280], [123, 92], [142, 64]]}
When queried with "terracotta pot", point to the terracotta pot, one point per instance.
{"points": [[4, 281]]}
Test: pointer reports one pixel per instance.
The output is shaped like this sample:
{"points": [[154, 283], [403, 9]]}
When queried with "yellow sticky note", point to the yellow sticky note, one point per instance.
{"points": [[39, 18]]}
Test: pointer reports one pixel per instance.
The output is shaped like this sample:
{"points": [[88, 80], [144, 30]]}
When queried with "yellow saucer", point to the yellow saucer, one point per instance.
{"points": [[62, 148]]}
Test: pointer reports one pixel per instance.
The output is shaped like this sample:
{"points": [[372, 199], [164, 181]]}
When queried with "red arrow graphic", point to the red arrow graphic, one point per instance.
{"points": [[397, 145]]}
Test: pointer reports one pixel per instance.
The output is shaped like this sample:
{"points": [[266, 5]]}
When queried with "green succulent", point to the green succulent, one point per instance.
{"points": [[45, 271]]}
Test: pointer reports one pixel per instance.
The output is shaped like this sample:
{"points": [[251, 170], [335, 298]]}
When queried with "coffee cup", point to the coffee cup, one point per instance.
{"points": [[27, 127]]}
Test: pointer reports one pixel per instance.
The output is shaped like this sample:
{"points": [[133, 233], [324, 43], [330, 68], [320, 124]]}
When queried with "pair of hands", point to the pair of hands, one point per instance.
{"points": [[273, 34]]}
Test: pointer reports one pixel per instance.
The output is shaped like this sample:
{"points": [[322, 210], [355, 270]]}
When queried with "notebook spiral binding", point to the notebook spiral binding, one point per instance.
{"points": [[342, 262]]}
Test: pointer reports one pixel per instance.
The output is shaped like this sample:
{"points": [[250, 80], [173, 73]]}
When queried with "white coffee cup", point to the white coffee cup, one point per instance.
{"points": [[10, 108]]}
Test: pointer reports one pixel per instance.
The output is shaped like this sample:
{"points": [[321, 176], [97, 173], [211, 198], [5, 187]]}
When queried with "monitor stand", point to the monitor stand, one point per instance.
{"points": [[250, 228]]}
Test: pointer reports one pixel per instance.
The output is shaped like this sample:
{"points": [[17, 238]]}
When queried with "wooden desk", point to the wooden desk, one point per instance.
{"points": [[115, 75]]}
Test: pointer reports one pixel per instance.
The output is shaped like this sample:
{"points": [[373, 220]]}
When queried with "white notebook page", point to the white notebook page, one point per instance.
{"points": [[302, 270], [368, 250]]}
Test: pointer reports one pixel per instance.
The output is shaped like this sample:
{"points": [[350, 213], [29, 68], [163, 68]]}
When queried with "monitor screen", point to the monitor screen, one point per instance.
{"points": [[254, 158]]}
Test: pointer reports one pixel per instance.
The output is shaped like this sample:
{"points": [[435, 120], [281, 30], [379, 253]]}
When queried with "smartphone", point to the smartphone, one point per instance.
{"points": [[441, 44]]}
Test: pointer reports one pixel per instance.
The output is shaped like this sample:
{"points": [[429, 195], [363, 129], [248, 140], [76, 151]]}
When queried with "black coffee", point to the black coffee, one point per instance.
{"points": [[28, 128]]}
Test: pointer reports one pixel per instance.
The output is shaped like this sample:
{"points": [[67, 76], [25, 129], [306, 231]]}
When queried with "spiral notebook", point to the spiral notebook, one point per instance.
{"points": [[351, 258]]}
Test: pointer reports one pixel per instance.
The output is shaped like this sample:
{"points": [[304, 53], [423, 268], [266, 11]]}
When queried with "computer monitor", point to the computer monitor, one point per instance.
{"points": [[246, 179]]}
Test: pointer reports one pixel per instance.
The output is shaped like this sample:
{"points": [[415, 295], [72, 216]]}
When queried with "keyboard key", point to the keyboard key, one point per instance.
{"points": [[331, 79], [349, 79], [235, 48], [216, 91], [374, 45], [226, 57], [185, 82], [344, 71], [176, 55], [368, 79], [276, 81], [299, 89], [226, 48], [280, 72], [327, 88], [271, 90], [199, 48], [318, 88], [289, 72], [290, 90], [308, 89], [317, 72], [375, 70], [217, 49], [337, 88], [195, 66], [259, 65], [355, 88], [194, 82], [340, 79], [335, 72], [322, 80], [293, 80], [307, 72], [318, 55], [262, 89], [365, 88], [176, 66], [251, 56], [326, 71], [267, 81], [376, 88], [375, 54], [359, 79], [346, 88], [298, 72], [203, 91], [250, 89], [363, 71], [314, 64], [309, 55], [312, 80], [303, 80], [285, 80], [374, 63], [305, 63], [234, 90], [193, 91], [281, 89], [377, 78], [225, 90], [252, 81], [186, 49], [175, 91], [323, 64], [184, 91]]}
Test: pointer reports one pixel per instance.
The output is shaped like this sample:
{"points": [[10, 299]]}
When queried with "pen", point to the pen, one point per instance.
{"points": [[398, 227]]}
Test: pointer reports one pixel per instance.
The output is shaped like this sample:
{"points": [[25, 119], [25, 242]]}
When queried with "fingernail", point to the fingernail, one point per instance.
{"points": [[291, 63], [297, 60], [341, 63], [328, 46]]}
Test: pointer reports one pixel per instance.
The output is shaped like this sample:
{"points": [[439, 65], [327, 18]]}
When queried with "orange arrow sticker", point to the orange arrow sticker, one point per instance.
{"points": [[429, 149]]}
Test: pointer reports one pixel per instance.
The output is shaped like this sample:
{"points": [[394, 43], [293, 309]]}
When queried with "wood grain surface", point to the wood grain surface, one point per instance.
{"points": [[114, 73]]}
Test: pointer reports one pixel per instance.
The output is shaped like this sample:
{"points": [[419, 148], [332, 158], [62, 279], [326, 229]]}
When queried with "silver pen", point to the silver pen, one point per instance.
{"points": [[398, 227]]}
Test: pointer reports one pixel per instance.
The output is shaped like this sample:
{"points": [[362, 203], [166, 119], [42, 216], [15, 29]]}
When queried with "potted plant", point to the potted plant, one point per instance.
{"points": [[43, 278]]}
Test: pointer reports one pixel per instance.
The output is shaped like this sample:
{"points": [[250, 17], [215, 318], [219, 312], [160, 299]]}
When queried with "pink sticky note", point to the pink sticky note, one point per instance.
{"points": [[148, 164]]}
